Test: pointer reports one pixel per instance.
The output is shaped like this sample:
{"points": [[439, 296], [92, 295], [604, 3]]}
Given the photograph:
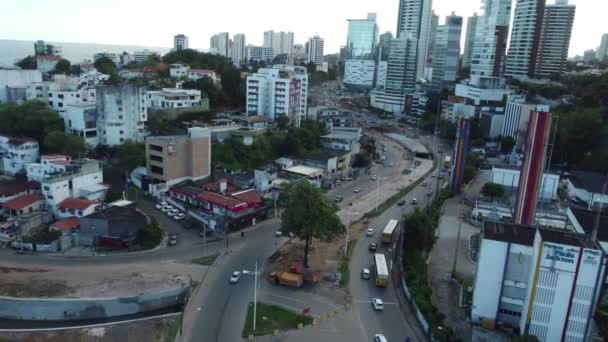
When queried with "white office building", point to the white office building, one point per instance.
{"points": [[508, 177], [314, 51], [539, 281], [447, 51], [239, 54], [142, 56], [259, 53], [122, 113], [180, 42], [517, 115], [360, 64], [491, 32], [276, 91], [486, 91], [220, 42], [80, 119], [602, 52]]}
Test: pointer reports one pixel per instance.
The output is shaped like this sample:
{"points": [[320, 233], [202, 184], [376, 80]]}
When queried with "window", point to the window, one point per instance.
{"points": [[156, 158], [156, 148], [157, 169]]}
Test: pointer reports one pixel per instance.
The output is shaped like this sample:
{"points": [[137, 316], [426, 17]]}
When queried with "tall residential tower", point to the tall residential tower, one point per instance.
{"points": [[554, 41], [489, 48]]}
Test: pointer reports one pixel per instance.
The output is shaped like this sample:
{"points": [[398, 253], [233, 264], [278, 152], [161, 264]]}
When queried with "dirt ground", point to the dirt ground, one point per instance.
{"points": [[153, 330], [94, 282]]}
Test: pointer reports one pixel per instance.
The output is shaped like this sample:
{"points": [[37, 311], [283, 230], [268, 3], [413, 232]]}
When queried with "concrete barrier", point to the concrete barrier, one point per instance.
{"points": [[67, 309]]}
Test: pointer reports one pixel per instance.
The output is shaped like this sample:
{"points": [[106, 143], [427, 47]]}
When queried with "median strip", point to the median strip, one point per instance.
{"points": [[272, 318]]}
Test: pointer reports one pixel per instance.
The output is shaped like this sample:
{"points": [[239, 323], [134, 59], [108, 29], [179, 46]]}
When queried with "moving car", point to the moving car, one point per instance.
{"points": [[377, 304], [401, 203], [356, 190], [370, 232], [414, 201], [234, 278], [429, 192], [425, 183], [373, 247], [366, 273], [391, 164], [278, 233], [173, 240], [374, 177], [380, 338], [338, 199]]}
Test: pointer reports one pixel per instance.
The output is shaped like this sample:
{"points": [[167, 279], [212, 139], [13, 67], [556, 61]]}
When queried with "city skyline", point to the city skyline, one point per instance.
{"points": [[18, 20]]}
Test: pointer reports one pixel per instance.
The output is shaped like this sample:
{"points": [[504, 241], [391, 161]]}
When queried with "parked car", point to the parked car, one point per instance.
{"points": [[391, 164], [161, 205], [234, 277], [167, 209], [366, 273], [370, 232], [373, 247], [173, 212], [173, 240], [377, 304], [179, 217], [357, 190], [278, 233]]}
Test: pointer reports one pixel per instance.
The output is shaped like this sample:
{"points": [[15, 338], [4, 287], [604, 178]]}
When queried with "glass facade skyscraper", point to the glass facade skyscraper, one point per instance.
{"points": [[362, 38]]}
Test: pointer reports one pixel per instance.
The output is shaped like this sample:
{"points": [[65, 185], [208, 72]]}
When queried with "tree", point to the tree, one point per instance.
{"points": [[506, 145], [132, 154], [309, 214], [74, 146], [105, 66], [28, 63], [32, 119], [75, 70], [54, 142], [493, 190], [282, 122], [418, 235], [62, 67], [151, 235]]}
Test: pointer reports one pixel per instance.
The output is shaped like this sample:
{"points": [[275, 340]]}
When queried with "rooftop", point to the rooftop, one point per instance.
{"points": [[115, 213], [66, 224], [21, 141], [249, 196], [586, 220], [222, 201], [508, 232], [307, 171], [590, 181], [75, 204], [22, 201], [12, 187]]}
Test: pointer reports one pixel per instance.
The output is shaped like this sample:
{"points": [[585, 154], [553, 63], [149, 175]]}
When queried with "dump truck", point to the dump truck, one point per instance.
{"points": [[287, 278]]}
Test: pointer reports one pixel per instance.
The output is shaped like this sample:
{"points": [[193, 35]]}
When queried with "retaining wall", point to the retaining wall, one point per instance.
{"points": [[60, 309]]}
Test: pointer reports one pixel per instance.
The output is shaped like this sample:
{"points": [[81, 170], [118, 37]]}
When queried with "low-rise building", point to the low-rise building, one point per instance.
{"points": [[455, 107], [488, 91], [181, 70], [509, 178], [46, 63], [174, 159], [538, 281], [14, 83], [10, 189], [16, 153], [66, 225], [586, 187], [264, 179], [23, 204], [122, 114], [49, 165], [312, 174], [343, 138], [77, 207], [170, 102], [115, 227], [80, 119]]}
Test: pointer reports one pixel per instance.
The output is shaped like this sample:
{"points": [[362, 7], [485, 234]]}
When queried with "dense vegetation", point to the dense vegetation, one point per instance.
{"points": [[293, 141], [34, 120]]}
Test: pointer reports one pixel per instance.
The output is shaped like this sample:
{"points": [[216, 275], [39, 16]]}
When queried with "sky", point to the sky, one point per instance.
{"points": [[154, 23]]}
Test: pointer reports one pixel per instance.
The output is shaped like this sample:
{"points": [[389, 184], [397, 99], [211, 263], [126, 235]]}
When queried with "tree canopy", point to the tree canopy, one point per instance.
{"points": [[105, 66], [62, 67], [132, 154], [309, 214], [28, 63], [506, 145], [493, 190], [32, 119]]}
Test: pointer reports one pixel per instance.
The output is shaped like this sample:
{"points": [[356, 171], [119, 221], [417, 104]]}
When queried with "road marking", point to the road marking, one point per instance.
{"points": [[369, 302]]}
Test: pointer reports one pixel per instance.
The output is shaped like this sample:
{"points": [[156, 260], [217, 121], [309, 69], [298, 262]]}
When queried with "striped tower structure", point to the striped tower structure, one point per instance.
{"points": [[532, 167], [460, 154]]}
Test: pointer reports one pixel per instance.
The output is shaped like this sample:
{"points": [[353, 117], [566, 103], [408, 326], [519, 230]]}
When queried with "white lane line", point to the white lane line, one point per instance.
{"points": [[287, 298]]}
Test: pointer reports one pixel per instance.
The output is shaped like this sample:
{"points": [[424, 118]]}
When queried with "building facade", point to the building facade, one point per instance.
{"points": [[238, 49], [469, 40], [314, 51], [602, 52], [80, 119], [447, 51], [180, 42], [122, 114], [525, 35], [17, 153], [220, 42], [14, 82], [414, 18], [554, 40], [490, 45], [259, 53]]}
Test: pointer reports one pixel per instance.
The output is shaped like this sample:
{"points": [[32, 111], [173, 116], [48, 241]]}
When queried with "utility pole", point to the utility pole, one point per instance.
{"points": [[255, 292]]}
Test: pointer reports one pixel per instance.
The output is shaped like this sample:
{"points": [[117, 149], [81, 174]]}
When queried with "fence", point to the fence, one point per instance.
{"points": [[419, 316]]}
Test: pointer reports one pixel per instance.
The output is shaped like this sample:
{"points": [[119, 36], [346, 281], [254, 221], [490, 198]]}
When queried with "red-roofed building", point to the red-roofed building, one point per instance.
{"points": [[22, 204], [249, 196], [78, 207], [66, 225], [12, 189]]}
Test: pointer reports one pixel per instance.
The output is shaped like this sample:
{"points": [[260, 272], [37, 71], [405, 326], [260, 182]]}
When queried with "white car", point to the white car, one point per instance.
{"points": [[391, 164], [366, 273], [414, 201], [370, 232], [234, 278], [356, 190], [167, 209], [380, 338], [161, 205], [278, 233], [179, 217], [374, 177], [377, 304]]}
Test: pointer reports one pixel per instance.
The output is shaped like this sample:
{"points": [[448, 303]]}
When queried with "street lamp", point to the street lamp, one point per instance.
{"points": [[348, 214], [255, 291]]}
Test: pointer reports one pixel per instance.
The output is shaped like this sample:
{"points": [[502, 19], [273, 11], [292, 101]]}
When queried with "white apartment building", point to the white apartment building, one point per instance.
{"points": [[80, 119], [83, 179], [517, 115], [47, 63], [180, 70], [14, 82], [49, 165], [239, 54], [541, 282], [314, 51], [17, 153], [281, 90], [180, 42], [142, 56], [280, 42], [122, 113], [63, 91], [221, 43], [173, 98], [259, 53]]}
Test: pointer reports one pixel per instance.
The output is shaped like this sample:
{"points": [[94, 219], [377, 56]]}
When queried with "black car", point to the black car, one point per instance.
{"points": [[401, 203], [373, 247]]}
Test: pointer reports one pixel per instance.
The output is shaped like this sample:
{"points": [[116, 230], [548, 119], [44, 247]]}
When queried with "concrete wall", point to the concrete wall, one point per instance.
{"points": [[39, 309]]}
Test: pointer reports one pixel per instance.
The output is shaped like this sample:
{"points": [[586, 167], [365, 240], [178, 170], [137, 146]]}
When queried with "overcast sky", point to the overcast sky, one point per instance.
{"points": [[153, 23]]}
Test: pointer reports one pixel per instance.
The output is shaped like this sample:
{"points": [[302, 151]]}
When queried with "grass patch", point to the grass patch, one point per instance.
{"points": [[35, 288], [169, 330], [344, 268], [271, 318], [206, 260]]}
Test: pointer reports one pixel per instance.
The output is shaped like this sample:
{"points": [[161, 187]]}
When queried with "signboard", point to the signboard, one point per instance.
{"points": [[559, 257]]}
